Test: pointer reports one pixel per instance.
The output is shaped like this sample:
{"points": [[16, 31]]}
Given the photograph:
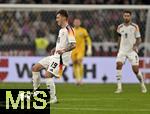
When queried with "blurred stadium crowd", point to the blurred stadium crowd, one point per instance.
{"points": [[19, 31], [29, 33], [77, 1]]}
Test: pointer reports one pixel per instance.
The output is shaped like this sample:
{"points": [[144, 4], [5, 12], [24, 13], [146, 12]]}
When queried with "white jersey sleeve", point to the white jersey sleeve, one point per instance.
{"points": [[118, 29], [70, 34]]}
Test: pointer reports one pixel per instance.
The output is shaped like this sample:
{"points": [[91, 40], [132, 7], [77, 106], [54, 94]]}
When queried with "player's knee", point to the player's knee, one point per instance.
{"points": [[119, 66], [35, 68], [48, 75], [135, 70]]}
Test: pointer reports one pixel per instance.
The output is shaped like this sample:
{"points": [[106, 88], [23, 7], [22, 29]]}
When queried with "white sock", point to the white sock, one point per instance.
{"points": [[119, 76], [140, 77], [51, 87], [36, 80]]}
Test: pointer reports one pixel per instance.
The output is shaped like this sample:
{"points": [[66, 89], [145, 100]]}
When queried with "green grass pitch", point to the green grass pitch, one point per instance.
{"points": [[96, 99]]}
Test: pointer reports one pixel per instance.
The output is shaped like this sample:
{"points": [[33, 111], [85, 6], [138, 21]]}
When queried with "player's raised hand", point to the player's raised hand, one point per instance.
{"points": [[89, 51]]}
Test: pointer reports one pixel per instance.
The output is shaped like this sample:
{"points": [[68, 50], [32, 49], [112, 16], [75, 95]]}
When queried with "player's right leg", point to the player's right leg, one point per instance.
{"points": [[119, 76], [53, 70], [119, 63], [51, 87]]}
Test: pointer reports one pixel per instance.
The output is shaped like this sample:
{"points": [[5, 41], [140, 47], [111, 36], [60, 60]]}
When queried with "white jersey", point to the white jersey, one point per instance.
{"points": [[128, 35], [66, 36], [52, 63]]}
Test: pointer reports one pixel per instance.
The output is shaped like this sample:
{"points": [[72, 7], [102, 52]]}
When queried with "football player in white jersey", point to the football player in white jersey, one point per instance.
{"points": [[59, 58], [129, 40]]}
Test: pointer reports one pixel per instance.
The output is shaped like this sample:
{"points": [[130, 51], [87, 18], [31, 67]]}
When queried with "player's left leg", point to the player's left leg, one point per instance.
{"points": [[139, 76], [77, 58], [134, 59], [79, 70], [51, 87]]}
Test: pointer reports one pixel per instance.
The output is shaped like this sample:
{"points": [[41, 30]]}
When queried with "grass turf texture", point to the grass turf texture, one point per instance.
{"points": [[95, 98]]}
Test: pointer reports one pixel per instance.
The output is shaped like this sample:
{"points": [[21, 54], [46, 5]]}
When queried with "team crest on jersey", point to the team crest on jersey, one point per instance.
{"points": [[122, 31], [63, 34], [132, 29]]}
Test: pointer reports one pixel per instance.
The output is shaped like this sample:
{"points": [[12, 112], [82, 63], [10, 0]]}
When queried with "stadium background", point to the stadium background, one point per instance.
{"points": [[27, 34]]}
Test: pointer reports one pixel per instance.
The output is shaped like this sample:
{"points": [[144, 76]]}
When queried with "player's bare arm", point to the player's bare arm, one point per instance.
{"points": [[70, 47], [137, 43], [52, 51]]}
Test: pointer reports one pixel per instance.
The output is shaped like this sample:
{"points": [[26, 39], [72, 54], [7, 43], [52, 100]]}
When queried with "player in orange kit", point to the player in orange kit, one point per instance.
{"points": [[82, 39]]}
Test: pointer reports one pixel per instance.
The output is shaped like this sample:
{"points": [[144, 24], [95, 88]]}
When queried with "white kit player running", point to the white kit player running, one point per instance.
{"points": [[129, 40], [59, 58]]}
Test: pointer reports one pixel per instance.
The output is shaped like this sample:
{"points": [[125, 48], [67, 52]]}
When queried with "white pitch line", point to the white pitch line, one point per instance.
{"points": [[100, 109], [98, 99], [92, 99]]}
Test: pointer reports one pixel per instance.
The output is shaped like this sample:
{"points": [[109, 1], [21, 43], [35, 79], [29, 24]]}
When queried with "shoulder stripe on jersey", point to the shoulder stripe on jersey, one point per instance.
{"points": [[119, 26], [69, 29], [136, 27]]}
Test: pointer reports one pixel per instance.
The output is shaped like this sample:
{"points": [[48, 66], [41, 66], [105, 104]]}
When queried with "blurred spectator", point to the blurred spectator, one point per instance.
{"points": [[41, 45]]}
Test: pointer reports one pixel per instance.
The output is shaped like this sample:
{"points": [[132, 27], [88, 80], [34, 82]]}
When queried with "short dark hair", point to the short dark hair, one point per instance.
{"points": [[127, 11], [63, 13]]}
